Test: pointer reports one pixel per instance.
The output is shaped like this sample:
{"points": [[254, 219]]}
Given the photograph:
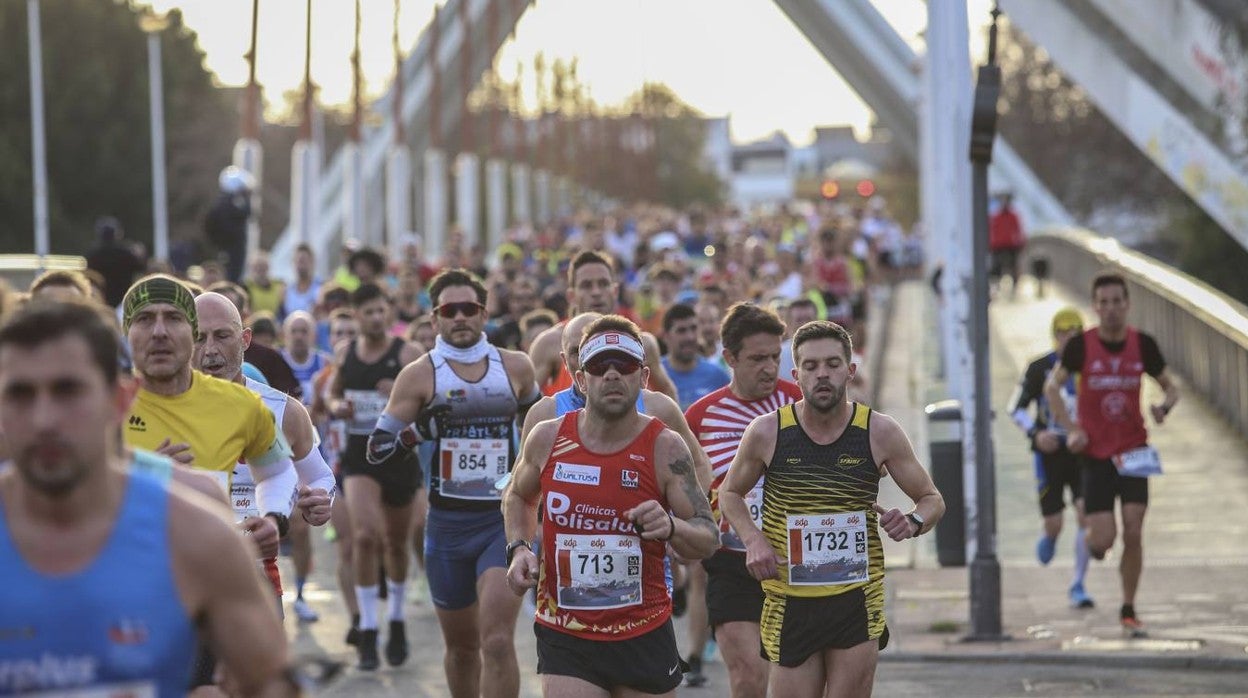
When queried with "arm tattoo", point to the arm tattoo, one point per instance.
{"points": [[683, 468]]}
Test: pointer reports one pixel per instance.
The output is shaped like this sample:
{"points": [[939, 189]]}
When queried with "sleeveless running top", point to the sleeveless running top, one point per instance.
{"points": [[1109, 396], [476, 443], [718, 421], [359, 386], [568, 400], [117, 627], [599, 579], [817, 510], [305, 372]]}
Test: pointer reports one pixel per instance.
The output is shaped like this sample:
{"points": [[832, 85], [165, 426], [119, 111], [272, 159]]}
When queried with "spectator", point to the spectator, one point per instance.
{"points": [[113, 259], [1005, 242], [226, 224]]}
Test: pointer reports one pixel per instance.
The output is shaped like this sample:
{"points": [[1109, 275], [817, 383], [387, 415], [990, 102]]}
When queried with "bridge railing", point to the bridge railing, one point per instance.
{"points": [[1202, 332]]}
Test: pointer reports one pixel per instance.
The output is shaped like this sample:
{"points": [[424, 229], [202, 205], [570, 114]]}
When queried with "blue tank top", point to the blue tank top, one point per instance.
{"points": [[568, 400], [118, 624]]}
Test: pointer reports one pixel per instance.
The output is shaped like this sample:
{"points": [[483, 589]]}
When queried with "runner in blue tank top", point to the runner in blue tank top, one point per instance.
{"points": [[109, 574]]}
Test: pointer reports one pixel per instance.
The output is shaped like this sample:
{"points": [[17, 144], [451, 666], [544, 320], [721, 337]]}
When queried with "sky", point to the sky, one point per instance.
{"points": [[748, 62]]}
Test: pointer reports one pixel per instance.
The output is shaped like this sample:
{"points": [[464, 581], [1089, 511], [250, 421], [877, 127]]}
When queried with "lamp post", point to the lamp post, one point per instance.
{"points": [[39, 157], [153, 24]]}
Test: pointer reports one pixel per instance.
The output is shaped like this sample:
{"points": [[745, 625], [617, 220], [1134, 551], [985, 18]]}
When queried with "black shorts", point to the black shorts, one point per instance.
{"points": [[648, 663], [731, 593], [399, 477], [1004, 262], [1102, 483], [794, 628], [1055, 473]]}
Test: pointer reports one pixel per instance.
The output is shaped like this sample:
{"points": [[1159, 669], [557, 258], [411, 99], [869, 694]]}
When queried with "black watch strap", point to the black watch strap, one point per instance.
{"points": [[283, 523], [515, 545], [918, 524]]}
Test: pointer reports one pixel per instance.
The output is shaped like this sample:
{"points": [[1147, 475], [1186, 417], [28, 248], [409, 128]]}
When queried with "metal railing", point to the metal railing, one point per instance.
{"points": [[1202, 332]]}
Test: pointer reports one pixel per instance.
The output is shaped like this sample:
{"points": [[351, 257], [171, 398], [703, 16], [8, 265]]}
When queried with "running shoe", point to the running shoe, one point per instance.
{"points": [[304, 612], [710, 652], [1045, 548], [396, 644], [353, 635], [694, 677], [418, 592], [1079, 598], [1131, 626], [367, 650]]}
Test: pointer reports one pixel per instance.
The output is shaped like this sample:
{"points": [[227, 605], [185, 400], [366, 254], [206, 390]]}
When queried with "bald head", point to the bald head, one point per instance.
{"points": [[572, 338], [218, 307], [222, 339], [298, 331]]}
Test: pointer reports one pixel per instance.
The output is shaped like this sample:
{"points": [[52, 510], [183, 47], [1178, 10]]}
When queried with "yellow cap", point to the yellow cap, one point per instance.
{"points": [[1067, 319]]}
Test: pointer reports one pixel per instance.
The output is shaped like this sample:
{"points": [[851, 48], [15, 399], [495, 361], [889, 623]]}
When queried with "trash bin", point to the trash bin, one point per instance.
{"points": [[944, 431]]}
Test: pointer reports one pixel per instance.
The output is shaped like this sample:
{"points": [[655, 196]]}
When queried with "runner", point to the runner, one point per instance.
{"points": [[734, 599], [379, 499], [1055, 466], [109, 574], [219, 353], [603, 621], [305, 361], [591, 287], [823, 611], [467, 396], [1109, 434], [693, 374], [201, 421]]}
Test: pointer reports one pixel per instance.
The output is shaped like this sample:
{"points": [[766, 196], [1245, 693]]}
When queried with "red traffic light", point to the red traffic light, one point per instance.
{"points": [[866, 188]]}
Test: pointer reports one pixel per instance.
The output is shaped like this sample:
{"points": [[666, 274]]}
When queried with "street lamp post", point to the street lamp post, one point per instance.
{"points": [[153, 24], [39, 157]]}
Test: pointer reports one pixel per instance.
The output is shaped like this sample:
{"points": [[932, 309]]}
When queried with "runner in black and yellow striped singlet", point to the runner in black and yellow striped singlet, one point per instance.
{"points": [[818, 553]]}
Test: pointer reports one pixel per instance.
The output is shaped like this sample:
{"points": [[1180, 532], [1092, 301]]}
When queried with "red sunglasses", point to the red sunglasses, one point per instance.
{"points": [[467, 308], [599, 365]]}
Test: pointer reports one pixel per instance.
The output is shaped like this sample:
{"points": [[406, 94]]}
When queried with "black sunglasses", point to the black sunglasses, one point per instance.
{"points": [[599, 365], [467, 308]]}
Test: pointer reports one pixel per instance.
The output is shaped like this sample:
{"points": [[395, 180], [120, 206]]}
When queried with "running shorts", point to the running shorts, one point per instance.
{"points": [[1102, 483], [1055, 473], [731, 593], [794, 628], [648, 663], [459, 547]]}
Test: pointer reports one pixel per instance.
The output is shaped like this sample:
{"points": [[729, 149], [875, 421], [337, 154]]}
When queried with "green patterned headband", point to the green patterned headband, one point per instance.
{"points": [[158, 289]]}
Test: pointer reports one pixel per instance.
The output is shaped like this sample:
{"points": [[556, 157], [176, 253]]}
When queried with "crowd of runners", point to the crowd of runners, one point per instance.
{"points": [[625, 419]]}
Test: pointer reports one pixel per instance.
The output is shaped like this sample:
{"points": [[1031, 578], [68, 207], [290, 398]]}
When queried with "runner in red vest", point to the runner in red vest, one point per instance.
{"points": [[1110, 435], [614, 486]]}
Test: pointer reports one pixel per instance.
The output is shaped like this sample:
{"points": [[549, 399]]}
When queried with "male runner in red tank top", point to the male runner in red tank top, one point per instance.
{"points": [[1111, 359], [615, 486]]}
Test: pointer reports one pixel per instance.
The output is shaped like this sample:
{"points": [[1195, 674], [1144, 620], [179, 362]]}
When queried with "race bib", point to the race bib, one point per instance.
{"points": [[472, 468], [1138, 462], [136, 689], [243, 496], [366, 407], [595, 573], [727, 535], [828, 549]]}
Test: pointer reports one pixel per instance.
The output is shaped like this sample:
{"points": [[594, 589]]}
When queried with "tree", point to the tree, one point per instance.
{"points": [[683, 176], [97, 124]]}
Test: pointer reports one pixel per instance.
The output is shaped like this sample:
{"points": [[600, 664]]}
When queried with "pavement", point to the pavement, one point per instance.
{"points": [[1192, 596]]}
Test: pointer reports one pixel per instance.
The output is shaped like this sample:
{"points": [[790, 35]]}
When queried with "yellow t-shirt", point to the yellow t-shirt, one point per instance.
{"points": [[266, 297], [222, 422]]}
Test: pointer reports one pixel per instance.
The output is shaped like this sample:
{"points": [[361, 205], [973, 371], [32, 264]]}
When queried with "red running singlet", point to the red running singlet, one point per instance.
{"points": [[599, 579], [1109, 396]]}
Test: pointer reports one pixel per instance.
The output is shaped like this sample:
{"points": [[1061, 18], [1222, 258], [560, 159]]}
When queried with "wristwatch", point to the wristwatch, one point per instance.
{"points": [[282, 521], [917, 521], [515, 545]]}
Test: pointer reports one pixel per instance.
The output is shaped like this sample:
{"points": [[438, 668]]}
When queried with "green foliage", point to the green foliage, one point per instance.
{"points": [[683, 177], [97, 124]]}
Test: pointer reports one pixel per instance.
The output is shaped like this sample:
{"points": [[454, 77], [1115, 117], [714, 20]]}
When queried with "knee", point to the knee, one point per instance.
{"points": [[1132, 536], [498, 646], [366, 540], [748, 680]]}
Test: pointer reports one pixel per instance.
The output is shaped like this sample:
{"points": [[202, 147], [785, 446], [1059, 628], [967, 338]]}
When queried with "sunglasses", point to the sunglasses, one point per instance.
{"points": [[599, 365], [466, 308]]}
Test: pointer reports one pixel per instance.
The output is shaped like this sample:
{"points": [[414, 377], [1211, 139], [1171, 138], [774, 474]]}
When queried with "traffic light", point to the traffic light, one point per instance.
{"points": [[866, 188], [830, 189]]}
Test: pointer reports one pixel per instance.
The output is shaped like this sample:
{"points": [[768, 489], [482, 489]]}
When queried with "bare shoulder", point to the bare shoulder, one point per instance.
{"points": [[660, 405], [204, 545], [515, 360], [542, 437], [541, 411], [885, 427], [548, 342], [410, 352], [295, 409], [670, 450], [650, 343]]}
